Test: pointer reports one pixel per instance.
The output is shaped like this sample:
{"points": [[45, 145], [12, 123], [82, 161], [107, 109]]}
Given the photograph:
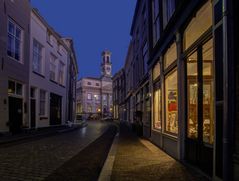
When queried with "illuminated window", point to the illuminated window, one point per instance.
{"points": [[89, 96], [171, 100], [170, 56], [156, 71], [157, 109], [198, 25], [208, 93], [15, 88], [192, 76]]}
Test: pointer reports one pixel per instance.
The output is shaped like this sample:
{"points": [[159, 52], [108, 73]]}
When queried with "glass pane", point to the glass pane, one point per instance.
{"points": [[171, 55], [171, 103], [157, 109], [18, 33], [10, 46], [192, 91], [208, 92], [11, 28], [19, 89], [156, 71], [198, 25], [192, 94], [11, 87], [17, 49]]}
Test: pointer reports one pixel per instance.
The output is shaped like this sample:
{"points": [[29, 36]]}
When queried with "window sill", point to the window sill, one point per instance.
{"points": [[53, 81], [43, 117], [38, 74], [49, 43], [18, 61], [62, 85], [59, 52]]}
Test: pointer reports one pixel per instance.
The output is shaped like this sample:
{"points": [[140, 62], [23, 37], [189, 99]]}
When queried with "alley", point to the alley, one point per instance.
{"points": [[37, 159]]}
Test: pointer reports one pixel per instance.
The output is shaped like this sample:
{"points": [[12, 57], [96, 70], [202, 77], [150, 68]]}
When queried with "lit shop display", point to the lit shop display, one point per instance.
{"points": [[171, 103]]}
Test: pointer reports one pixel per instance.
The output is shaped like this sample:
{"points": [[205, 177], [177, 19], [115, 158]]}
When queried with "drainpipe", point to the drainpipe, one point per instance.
{"points": [[228, 91]]}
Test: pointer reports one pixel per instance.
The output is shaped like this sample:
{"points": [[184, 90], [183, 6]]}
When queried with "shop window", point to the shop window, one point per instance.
{"points": [[170, 56], [198, 25], [156, 71], [15, 88], [157, 109], [171, 100], [11, 87], [192, 75], [203, 92], [208, 93]]}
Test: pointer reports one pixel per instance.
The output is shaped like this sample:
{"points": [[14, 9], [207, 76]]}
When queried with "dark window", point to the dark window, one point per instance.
{"points": [[169, 7], [156, 21], [88, 83]]}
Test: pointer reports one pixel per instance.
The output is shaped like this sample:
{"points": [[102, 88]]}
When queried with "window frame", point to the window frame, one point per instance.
{"points": [[156, 21], [173, 70], [53, 61], [42, 101], [39, 55], [61, 72], [21, 41]]}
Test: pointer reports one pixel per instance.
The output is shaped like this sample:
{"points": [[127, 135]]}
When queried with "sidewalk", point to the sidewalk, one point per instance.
{"points": [[138, 159], [6, 139]]}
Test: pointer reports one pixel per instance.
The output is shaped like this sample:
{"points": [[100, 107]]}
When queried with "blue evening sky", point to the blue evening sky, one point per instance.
{"points": [[94, 25]]}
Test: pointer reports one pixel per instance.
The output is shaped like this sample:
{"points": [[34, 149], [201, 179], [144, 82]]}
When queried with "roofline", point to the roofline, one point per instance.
{"points": [[56, 34]]}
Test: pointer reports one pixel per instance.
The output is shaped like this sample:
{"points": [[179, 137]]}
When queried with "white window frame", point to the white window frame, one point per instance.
{"points": [[42, 101], [61, 73], [89, 96], [53, 68], [15, 38], [38, 52], [15, 89]]}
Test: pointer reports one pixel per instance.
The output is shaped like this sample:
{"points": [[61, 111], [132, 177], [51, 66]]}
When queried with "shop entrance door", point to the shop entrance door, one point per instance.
{"points": [[33, 113], [15, 114], [200, 107], [55, 109]]}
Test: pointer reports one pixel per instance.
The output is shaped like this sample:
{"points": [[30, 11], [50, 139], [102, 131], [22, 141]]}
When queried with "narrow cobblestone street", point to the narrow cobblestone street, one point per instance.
{"points": [[37, 159]]}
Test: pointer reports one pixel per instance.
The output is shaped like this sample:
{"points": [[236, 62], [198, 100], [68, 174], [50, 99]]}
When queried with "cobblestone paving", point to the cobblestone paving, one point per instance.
{"points": [[137, 160], [37, 159]]}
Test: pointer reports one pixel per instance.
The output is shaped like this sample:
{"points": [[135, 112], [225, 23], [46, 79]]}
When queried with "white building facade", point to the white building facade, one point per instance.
{"points": [[94, 95], [48, 75]]}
